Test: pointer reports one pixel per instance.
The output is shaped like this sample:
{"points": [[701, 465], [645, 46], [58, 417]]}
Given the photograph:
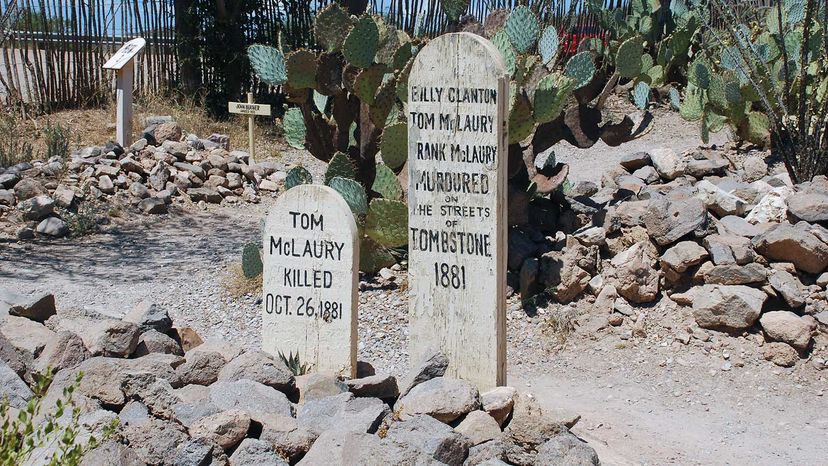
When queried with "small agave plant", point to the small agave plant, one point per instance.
{"points": [[348, 101], [292, 362]]}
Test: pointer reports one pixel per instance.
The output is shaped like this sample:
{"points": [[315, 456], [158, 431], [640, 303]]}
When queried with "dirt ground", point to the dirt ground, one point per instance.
{"points": [[642, 401]]}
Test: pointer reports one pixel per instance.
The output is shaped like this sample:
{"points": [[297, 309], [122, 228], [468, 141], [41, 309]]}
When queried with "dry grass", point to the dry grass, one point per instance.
{"points": [[559, 323], [236, 285], [96, 126]]}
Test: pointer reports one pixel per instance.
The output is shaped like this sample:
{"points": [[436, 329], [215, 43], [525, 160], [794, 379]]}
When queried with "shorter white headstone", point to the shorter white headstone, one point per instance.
{"points": [[123, 62], [311, 259]]}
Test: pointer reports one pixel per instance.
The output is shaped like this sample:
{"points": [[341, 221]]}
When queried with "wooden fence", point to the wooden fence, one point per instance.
{"points": [[51, 51]]}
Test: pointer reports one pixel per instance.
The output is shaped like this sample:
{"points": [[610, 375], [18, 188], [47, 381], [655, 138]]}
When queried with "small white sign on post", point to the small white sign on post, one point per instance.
{"points": [[123, 62], [311, 257], [458, 100], [251, 109]]}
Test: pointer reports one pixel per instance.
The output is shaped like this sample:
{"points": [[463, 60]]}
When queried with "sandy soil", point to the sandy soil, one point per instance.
{"points": [[642, 401]]}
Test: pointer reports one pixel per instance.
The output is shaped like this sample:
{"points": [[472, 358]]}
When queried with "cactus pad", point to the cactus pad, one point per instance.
{"points": [[548, 45], [692, 106], [794, 11], [387, 184], [551, 95], [522, 28], [454, 9], [362, 42], [268, 63], [656, 74], [367, 82], [301, 69], [521, 122], [501, 41], [384, 101], [394, 145], [757, 128], [373, 257], [387, 223], [628, 58], [297, 176], [675, 99], [294, 127], [641, 95], [251, 261], [340, 166], [699, 73], [402, 55], [332, 26], [580, 68], [353, 193], [329, 73]]}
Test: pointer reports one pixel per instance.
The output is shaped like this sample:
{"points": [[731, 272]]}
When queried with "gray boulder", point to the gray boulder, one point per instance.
{"points": [[53, 226], [254, 398], [727, 307], [25, 334], [442, 398], [252, 452], [153, 341], [35, 306], [566, 450], [374, 386], [260, 367], [667, 220], [788, 327], [809, 206], [65, 351], [794, 243], [112, 453], [114, 338], [733, 274], [684, 255], [36, 208], [227, 428], [478, 427], [431, 437], [200, 368], [149, 316], [342, 412], [498, 402], [155, 441], [344, 448], [789, 287], [13, 388], [433, 364]]}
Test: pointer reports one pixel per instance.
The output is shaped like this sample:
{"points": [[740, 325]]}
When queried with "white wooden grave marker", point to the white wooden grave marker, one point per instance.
{"points": [[123, 62], [457, 146], [251, 109], [311, 261]]}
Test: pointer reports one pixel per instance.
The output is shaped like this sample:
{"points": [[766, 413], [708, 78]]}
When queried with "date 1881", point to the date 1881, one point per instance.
{"points": [[450, 276]]}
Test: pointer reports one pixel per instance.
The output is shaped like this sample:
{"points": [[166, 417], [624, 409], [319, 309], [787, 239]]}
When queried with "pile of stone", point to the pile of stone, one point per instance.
{"points": [[179, 400], [745, 248], [162, 167]]}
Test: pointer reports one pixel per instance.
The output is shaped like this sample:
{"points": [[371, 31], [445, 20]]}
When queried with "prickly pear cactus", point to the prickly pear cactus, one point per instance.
{"points": [[394, 145], [501, 41], [387, 223], [353, 193], [340, 166], [628, 60], [268, 63], [551, 95], [294, 126], [454, 9], [251, 260], [361, 44], [297, 176], [301, 69], [548, 44], [522, 28], [386, 183], [580, 68], [331, 27], [641, 95]]}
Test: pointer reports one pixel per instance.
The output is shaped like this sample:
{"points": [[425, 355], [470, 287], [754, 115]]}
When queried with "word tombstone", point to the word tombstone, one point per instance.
{"points": [[457, 145], [310, 279]]}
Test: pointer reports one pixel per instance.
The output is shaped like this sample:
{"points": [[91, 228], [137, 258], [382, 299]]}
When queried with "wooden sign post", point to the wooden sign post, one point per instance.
{"points": [[311, 260], [458, 97], [123, 62], [251, 109]]}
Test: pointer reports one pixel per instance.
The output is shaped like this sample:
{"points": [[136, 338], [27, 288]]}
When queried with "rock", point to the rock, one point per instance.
{"points": [[53, 226], [793, 243], [227, 428], [342, 412], [780, 354], [479, 427], [111, 453], [375, 386], [754, 169], [149, 316], [227, 350], [134, 412], [530, 426], [13, 388], [647, 174], [7, 197], [433, 364], [442, 398], [255, 399], [788, 327], [433, 438], [200, 368], [65, 351], [35, 306], [187, 338], [729, 249], [314, 386], [668, 165], [139, 190], [114, 338], [8, 180], [494, 453], [106, 185], [727, 307], [153, 206], [153, 341], [615, 319], [684, 255], [260, 367], [635, 160], [169, 131], [209, 195], [606, 298], [498, 402], [736, 274], [789, 287], [740, 227], [28, 188], [567, 273], [154, 441], [718, 201], [809, 206], [521, 247], [528, 277], [36, 208], [357, 449], [252, 452], [20, 361], [667, 221], [772, 208], [634, 275], [566, 449], [583, 188], [288, 439], [701, 168], [26, 334], [591, 236], [198, 452]]}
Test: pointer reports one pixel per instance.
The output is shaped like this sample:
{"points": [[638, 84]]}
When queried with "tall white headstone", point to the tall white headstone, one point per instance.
{"points": [[311, 260], [123, 62], [457, 145]]}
